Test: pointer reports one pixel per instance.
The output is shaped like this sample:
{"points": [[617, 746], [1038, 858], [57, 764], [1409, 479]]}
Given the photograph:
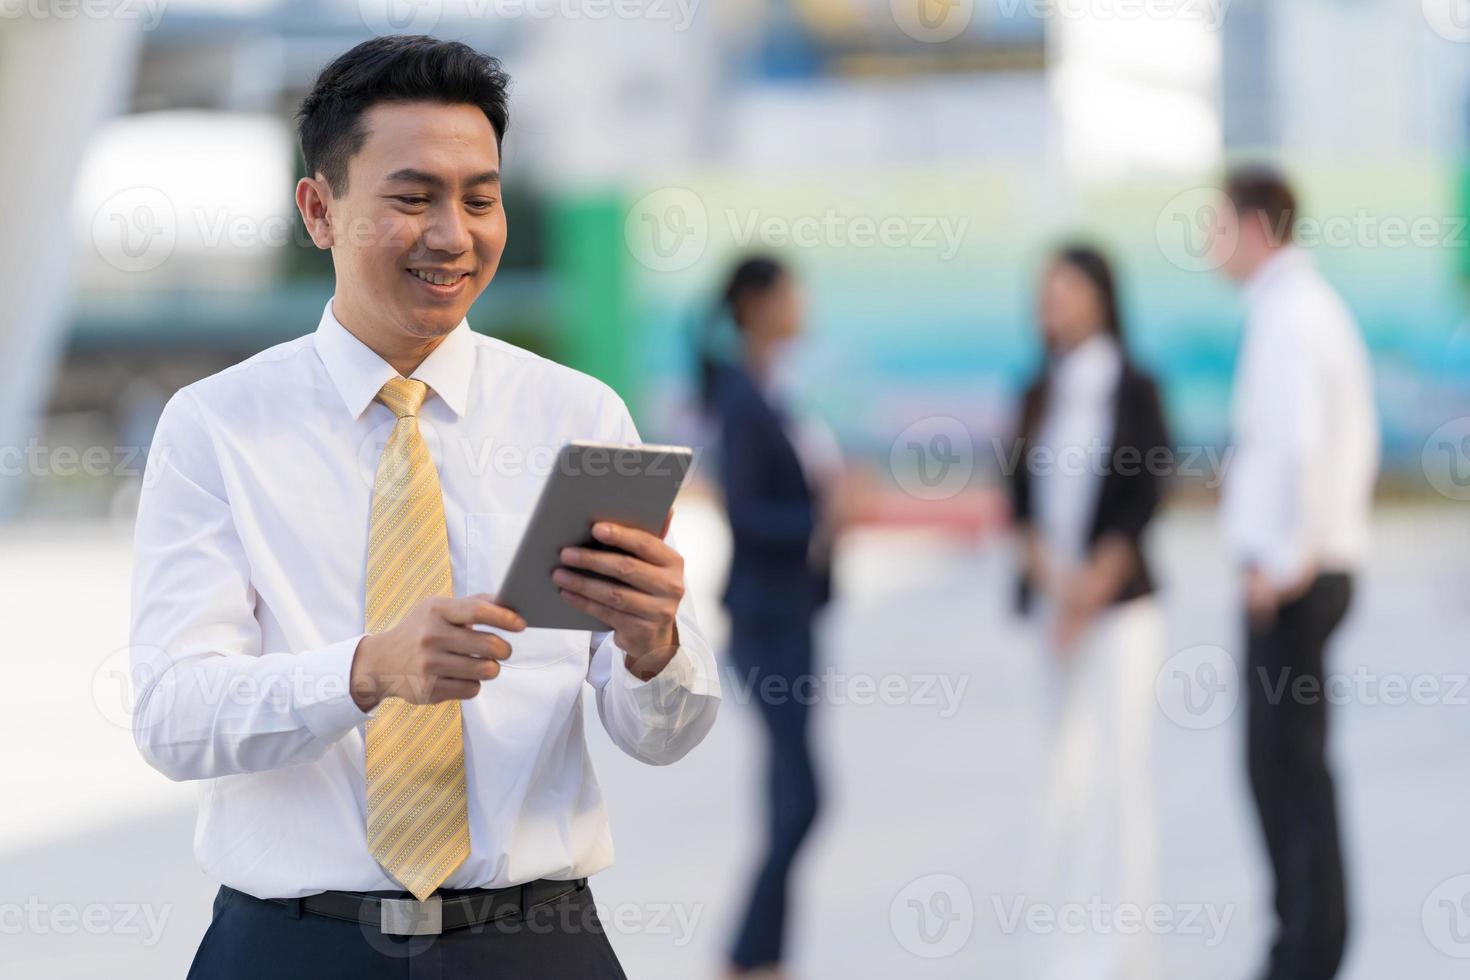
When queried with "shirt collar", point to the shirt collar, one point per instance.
{"points": [[359, 373], [1091, 367], [1286, 258]]}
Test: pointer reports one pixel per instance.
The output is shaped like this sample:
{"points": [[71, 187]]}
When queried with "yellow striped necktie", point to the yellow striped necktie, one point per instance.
{"points": [[418, 826]]}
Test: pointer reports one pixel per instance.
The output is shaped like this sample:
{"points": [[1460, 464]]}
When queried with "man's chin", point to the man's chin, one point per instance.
{"points": [[434, 321]]}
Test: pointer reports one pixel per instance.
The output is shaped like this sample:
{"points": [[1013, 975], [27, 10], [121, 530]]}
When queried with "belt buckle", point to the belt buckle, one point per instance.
{"points": [[410, 917]]}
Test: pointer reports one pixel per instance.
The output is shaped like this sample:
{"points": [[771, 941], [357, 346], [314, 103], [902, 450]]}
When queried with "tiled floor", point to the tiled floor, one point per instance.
{"points": [[930, 739]]}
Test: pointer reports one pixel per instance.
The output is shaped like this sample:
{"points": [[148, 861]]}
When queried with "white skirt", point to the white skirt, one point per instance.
{"points": [[1097, 853]]}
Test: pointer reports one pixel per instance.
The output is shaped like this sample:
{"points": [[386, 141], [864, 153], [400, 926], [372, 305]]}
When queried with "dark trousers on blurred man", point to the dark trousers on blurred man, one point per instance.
{"points": [[1291, 781]]}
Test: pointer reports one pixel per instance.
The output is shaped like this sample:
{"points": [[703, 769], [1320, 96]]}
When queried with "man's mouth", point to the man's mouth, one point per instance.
{"points": [[438, 277]]}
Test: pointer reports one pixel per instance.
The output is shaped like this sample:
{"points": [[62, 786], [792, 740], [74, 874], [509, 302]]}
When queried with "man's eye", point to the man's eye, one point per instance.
{"points": [[482, 205], [414, 201]]}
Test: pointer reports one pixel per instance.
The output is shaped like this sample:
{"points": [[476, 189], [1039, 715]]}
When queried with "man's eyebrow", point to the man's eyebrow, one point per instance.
{"points": [[411, 175]]}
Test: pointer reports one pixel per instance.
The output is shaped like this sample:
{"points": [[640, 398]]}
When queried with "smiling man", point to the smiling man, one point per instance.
{"points": [[394, 777]]}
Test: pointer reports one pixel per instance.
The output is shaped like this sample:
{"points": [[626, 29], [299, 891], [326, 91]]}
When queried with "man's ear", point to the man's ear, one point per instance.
{"points": [[312, 197]]}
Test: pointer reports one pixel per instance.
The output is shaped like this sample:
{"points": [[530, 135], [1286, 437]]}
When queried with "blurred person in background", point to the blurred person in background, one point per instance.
{"points": [[780, 475], [1296, 503], [308, 532], [1094, 454]]}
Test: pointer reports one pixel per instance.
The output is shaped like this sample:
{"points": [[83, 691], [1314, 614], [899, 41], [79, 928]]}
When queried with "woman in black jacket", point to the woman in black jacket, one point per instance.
{"points": [[1094, 457]]}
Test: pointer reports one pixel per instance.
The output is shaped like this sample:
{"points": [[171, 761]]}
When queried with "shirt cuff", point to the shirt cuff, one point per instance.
{"points": [[1286, 571], [658, 699], [324, 702], [676, 672]]}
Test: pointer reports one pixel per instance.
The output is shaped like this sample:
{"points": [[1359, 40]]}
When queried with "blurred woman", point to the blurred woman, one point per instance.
{"points": [[1095, 452], [778, 474]]}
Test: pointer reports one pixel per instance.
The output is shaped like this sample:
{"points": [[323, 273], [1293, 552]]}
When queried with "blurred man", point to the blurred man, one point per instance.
{"points": [[388, 787], [1296, 506]]}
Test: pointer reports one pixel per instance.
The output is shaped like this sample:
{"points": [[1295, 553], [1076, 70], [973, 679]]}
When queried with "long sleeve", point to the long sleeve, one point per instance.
{"points": [[1280, 459], [753, 516], [1146, 472], [208, 700], [660, 720]]}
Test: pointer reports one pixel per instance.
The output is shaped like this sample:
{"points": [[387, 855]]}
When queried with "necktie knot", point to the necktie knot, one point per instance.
{"points": [[403, 396]]}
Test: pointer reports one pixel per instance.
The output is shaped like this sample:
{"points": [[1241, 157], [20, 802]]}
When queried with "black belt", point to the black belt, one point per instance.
{"points": [[442, 911]]}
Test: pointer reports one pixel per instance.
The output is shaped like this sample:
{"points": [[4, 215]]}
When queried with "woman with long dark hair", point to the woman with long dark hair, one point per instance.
{"points": [[1095, 455], [778, 473]]}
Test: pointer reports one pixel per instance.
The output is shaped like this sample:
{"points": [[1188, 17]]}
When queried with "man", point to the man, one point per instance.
{"points": [[394, 775], [1296, 504]]}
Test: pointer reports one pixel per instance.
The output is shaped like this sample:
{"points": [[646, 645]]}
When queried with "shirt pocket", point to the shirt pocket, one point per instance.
{"points": [[490, 544]]}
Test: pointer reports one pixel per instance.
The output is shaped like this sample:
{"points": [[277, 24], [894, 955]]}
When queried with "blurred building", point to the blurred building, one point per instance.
{"points": [[978, 132]]}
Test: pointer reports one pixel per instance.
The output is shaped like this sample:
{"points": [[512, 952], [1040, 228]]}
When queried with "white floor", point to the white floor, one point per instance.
{"points": [[930, 762]]}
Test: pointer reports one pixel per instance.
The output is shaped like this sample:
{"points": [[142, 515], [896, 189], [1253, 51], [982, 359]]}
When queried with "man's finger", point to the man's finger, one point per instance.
{"points": [[479, 608], [616, 620], [640, 543], [638, 573], [470, 642], [612, 595], [461, 668]]}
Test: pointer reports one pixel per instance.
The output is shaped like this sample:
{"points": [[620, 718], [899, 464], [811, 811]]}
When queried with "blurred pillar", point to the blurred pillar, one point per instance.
{"points": [[59, 77], [1138, 97], [1250, 79]]}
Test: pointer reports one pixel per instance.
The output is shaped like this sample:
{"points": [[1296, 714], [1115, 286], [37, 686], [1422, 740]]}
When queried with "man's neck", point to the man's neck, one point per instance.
{"points": [[1267, 258], [403, 353]]}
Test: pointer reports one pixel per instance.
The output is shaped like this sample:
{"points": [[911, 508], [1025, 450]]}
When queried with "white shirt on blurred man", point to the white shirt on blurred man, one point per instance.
{"points": [[1299, 486]]}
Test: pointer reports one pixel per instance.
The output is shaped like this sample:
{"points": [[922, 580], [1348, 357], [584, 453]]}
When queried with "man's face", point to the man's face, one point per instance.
{"points": [[1243, 242], [419, 232]]}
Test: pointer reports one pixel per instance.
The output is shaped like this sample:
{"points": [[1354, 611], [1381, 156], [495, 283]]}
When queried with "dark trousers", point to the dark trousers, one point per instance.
{"points": [[774, 657], [1291, 781], [250, 938]]}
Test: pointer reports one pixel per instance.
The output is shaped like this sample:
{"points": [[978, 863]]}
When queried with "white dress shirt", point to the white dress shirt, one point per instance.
{"points": [[248, 593], [1076, 432], [1299, 487]]}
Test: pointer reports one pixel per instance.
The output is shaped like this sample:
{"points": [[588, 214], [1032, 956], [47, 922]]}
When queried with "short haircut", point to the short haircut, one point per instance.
{"points": [[397, 68], [1264, 191]]}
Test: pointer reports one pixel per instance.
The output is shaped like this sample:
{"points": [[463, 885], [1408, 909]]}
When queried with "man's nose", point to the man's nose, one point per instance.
{"points": [[448, 231]]}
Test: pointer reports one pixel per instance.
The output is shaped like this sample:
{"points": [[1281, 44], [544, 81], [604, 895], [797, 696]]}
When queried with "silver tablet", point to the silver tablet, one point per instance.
{"points": [[633, 485]]}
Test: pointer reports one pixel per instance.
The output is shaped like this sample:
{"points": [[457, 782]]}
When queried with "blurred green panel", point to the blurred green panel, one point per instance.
{"points": [[589, 265], [1464, 203]]}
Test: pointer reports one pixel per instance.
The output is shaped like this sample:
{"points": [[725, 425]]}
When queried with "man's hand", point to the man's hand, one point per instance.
{"points": [[434, 653], [1263, 599], [639, 604]]}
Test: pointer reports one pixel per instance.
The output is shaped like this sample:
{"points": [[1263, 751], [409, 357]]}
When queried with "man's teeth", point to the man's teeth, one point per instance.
{"points": [[437, 279]]}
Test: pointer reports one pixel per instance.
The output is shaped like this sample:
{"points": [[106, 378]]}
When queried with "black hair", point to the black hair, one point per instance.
{"points": [[396, 68], [753, 276], [1262, 190], [1094, 265]]}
